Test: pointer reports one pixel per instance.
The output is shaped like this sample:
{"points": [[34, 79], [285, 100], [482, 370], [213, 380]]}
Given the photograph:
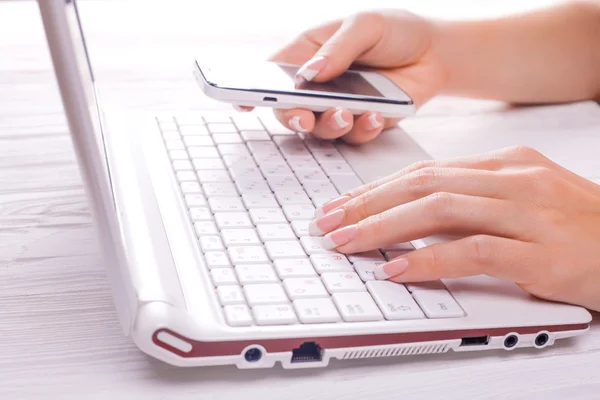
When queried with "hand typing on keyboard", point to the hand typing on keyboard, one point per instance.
{"points": [[527, 220]]}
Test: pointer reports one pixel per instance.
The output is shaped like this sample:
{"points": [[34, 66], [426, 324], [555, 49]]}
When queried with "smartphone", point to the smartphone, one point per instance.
{"points": [[271, 84]]}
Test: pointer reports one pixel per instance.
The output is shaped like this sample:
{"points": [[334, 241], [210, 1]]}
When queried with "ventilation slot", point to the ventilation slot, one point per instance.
{"points": [[398, 351]]}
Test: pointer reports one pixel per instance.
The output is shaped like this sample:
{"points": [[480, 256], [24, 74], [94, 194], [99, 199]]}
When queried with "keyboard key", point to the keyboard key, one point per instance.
{"points": [[198, 141], [265, 293], [275, 169], [314, 245], [429, 285], [300, 163], [311, 175], [174, 145], [223, 276], [262, 147], [390, 255], [187, 176], [296, 212], [189, 118], [319, 145], [394, 300], [197, 130], [247, 122], [256, 273], [253, 200], [289, 197], [243, 171], [203, 152], [239, 237], [268, 157], [284, 249], [294, 150], [320, 189], [319, 201], [316, 311], [205, 228], [345, 183], [274, 126], [233, 149], [270, 232], [337, 168], [200, 214], [253, 186], [342, 282], [226, 220], [238, 315], [182, 165], [406, 246], [216, 259], [190, 187], [368, 265], [357, 307], [294, 268], [171, 135], [178, 155], [247, 255], [438, 304], [216, 117], [214, 189], [373, 255], [330, 263], [230, 294], [213, 176], [300, 228], [209, 243], [226, 204], [284, 183], [327, 156], [241, 160], [227, 138], [267, 216], [255, 135], [304, 288], [202, 164], [279, 314], [221, 128], [366, 272]]}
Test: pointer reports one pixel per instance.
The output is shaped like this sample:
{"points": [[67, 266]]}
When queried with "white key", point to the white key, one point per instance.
{"points": [[390, 255], [284, 249], [429, 285], [171, 135], [288, 197], [262, 147], [174, 145], [202, 164], [243, 160], [198, 141], [216, 117], [233, 220], [345, 183], [213, 176], [294, 268], [230, 294], [265, 293], [247, 122], [319, 201], [368, 265], [270, 232], [253, 186], [406, 246], [304, 288], [327, 155], [247, 255], [239, 237], [320, 189], [342, 282], [223, 276], [319, 145], [187, 176], [267, 216], [189, 118], [256, 273], [300, 228], [222, 128], [284, 183], [233, 149], [226, 204], [438, 304], [238, 315], [275, 169], [357, 307], [314, 245], [366, 272], [219, 189], [330, 263], [255, 135], [373, 255], [311, 175], [253, 200], [268, 157], [201, 214], [227, 138], [296, 212], [203, 152], [190, 187], [178, 155], [300, 163], [208, 243], [194, 130], [337, 168], [294, 150], [274, 126], [182, 165], [217, 259], [316, 311], [394, 300], [277, 314], [246, 172], [205, 228]]}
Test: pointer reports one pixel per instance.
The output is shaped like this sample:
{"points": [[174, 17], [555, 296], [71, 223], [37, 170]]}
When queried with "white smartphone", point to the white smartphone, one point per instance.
{"points": [[270, 84]]}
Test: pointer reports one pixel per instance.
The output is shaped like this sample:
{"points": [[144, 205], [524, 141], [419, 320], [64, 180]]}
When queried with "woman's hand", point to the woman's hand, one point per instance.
{"points": [[395, 43], [519, 217]]}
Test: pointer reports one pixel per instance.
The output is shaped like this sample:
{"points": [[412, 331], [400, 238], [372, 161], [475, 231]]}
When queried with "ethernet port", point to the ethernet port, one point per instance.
{"points": [[307, 352]]}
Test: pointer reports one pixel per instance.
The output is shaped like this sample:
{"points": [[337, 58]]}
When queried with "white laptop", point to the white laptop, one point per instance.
{"points": [[208, 255]]}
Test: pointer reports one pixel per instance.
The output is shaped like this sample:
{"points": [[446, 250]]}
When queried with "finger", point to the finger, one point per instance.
{"points": [[439, 213], [366, 128], [503, 258], [297, 119], [243, 108], [333, 124]]}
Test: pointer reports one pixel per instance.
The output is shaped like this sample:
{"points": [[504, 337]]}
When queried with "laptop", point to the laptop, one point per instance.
{"points": [[203, 218]]}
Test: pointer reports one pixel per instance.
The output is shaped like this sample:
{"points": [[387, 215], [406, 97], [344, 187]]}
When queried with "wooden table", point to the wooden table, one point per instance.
{"points": [[59, 335]]}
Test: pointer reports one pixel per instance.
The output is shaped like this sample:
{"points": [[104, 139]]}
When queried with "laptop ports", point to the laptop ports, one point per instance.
{"points": [[474, 341], [307, 352], [511, 341]]}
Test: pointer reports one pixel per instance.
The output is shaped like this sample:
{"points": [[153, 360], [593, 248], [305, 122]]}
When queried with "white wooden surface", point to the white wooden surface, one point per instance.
{"points": [[59, 335]]}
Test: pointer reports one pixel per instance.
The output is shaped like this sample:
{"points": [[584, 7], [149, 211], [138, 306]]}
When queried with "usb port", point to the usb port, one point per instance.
{"points": [[475, 341], [271, 99]]}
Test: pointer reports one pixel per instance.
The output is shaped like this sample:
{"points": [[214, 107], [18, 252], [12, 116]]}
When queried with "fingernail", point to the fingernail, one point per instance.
{"points": [[330, 205], [340, 237], [327, 223], [311, 69], [373, 122], [241, 108], [393, 268], [337, 121], [294, 122]]}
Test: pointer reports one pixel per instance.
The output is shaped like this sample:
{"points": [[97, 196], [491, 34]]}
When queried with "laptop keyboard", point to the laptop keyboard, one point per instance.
{"points": [[251, 187]]}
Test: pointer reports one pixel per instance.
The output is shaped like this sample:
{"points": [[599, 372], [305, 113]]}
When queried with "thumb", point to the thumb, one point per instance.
{"points": [[355, 36]]}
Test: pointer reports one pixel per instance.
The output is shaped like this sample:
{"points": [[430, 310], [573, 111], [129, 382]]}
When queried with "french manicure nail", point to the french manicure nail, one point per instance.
{"points": [[311, 69], [339, 237], [393, 268], [327, 223], [373, 122], [330, 205], [294, 122], [337, 120]]}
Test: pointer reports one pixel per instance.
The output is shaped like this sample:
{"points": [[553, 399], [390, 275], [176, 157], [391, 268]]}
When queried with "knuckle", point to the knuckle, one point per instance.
{"points": [[360, 206], [542, 181], [520, 152], [420, 165], [480, 249], [440, 205], [422, 179], [370, 18]]}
